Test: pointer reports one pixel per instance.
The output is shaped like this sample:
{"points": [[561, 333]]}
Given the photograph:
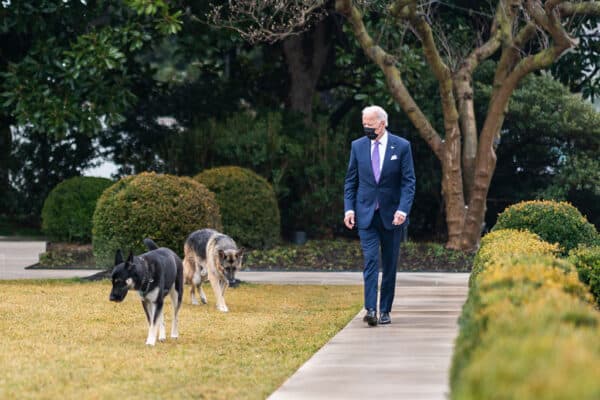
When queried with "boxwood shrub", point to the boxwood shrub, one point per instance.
{"points": [[248, 205], [165, 208], [554, 222], [508, 243], [587, 261], [544, 348], [68, 209], [526, 327], [515, 281]]}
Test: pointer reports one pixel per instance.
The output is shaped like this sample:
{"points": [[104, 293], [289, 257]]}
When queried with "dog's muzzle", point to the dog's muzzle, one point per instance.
{"points": [[117, 296], [230, 273]]}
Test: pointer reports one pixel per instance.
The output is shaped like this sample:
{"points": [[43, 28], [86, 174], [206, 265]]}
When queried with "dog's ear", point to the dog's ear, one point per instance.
{"points": [[129, 261], [118, 257], [221, 254], [240, 252]]}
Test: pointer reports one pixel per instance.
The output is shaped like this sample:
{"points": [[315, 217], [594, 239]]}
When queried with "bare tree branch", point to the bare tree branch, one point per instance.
{"points": [[407, 9], [268, 20], [584, 8], [393, 77], [488, 48], [547, 20], [500, 31]]}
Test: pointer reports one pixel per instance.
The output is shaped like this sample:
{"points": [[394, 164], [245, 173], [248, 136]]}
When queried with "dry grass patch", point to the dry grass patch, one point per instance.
{"points": [[64, 339]]}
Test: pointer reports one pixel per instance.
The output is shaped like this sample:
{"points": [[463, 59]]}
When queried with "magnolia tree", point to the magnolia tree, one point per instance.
{"points": [[524, 36]]}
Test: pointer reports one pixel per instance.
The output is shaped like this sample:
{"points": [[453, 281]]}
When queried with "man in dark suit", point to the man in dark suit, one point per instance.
{"points": [[378, 194]]}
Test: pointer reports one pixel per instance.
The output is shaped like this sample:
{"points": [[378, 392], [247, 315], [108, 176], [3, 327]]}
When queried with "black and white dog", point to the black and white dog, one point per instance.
{"points": [[154, 275]]}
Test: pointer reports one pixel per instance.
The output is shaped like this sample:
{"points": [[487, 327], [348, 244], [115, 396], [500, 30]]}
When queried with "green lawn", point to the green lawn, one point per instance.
{"points": [[64, 339]]}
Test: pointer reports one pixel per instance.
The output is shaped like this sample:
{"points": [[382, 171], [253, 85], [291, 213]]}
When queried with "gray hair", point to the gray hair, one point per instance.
{"points": [[378, 111]]}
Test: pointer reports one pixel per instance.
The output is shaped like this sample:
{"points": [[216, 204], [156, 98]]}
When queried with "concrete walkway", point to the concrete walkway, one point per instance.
{"points": [[16, 255], [408, 359]]}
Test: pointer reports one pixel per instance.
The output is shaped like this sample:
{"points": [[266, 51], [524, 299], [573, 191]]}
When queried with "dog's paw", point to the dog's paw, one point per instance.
{"points": [[195, 302], [150, 342], [223, 308], [203, 301]]}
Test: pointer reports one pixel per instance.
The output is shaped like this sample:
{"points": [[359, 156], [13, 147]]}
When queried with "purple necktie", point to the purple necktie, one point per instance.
{"points": [[375, 160]]}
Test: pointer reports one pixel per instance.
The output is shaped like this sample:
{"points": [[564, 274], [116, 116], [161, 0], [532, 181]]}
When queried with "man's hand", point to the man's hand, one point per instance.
{"points": [[399, 218], [349, 220]]}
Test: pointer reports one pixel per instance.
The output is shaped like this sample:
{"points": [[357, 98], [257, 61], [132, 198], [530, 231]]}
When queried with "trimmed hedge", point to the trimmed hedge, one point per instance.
{"points": [[165, 208], [248, 205], [69, 207], [503, 243], [546, 348], [515, 281], [554, 222], [528, 329], [587, 262]]}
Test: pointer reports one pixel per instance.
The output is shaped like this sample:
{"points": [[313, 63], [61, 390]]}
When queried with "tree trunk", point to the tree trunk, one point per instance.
{"points": [[305, 57], [468, 128], [452, 193]]}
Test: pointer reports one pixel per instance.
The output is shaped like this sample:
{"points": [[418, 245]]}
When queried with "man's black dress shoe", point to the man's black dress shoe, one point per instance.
{"points": [[371, 317], [384, 318]]}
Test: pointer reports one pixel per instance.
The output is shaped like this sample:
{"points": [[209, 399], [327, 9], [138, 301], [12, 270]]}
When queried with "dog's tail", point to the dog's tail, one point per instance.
{"points": [[150, 244]]}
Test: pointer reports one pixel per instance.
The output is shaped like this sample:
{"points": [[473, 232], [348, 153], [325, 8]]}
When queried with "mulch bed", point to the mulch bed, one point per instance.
{"points": [[315, 255]]}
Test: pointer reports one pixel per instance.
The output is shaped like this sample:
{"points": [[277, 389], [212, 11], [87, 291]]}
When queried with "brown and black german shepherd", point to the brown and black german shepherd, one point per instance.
{"points": [[213, 256]]}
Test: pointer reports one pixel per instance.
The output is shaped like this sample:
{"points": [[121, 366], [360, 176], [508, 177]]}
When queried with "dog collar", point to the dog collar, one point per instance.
{"points": [[146, 281]]}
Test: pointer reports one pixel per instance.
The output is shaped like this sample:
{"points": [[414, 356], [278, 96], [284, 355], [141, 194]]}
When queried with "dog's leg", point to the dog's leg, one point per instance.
{"points": [[146, 311], [175, 301], [189, 270], [224, 283], [201, 269], [197, 281], [202, 295], [159, 321], [213, 262], [153, 330], [150, 308], [162, 334], [216, 285], [214, 282], [155, 305], [192, 291]]}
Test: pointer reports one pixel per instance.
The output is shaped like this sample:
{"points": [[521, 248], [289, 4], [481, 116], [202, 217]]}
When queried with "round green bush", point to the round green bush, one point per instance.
{"points": [[68, 209], [165, 208], [248, 205], [554, 222]]}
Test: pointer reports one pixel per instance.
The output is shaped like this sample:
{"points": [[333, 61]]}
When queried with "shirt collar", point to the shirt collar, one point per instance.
{"points": [[383, 140]]}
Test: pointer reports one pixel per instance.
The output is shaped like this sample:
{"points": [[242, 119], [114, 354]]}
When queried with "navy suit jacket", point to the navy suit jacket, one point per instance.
{"points": [[394, 191]]}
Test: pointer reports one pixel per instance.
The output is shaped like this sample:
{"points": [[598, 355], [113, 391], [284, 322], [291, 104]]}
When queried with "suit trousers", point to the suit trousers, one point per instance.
{"points": [[376, 240]]}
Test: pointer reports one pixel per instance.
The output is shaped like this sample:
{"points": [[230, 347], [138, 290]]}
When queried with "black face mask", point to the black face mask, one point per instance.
{"points": [[370, 133]]}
